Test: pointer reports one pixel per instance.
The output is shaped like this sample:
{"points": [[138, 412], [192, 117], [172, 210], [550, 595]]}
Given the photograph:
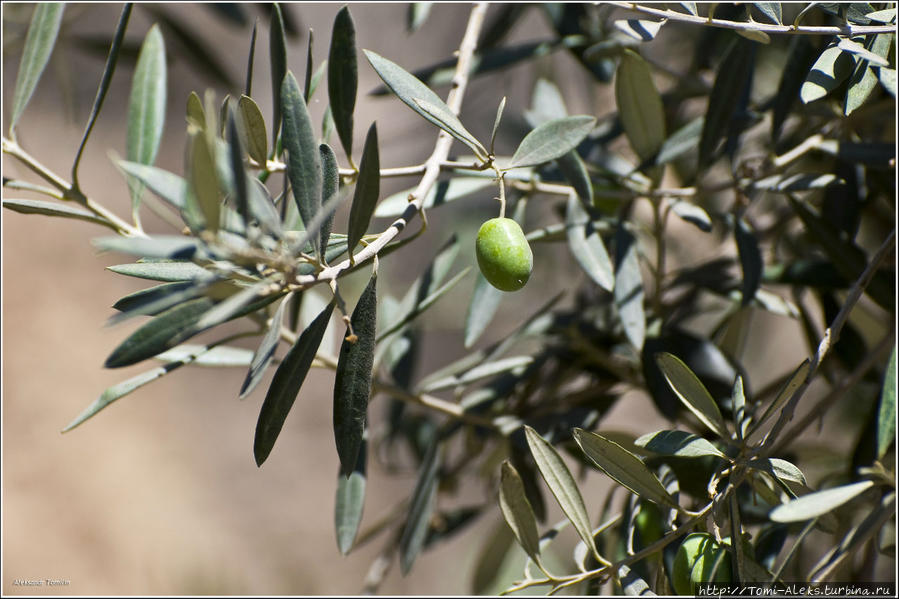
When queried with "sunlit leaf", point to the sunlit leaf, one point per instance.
{"points": [[350, 501], [39, 44], [221, 356], [639, 29], [162, 271], [628, 290], [832, 68], [692, 393], [886, 412], [204, 182], [818, 503], [864, 78], [416, 14], [587, 246], [551, 140], [252, 129], [517, 511], [639, 105], [678, 443]]}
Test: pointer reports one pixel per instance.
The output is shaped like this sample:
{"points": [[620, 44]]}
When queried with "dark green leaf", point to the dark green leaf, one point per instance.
{"points": [[262, 207], [343, 77], [52, 209], [692, 393], [204, 182], [801, 55], [265, 352], [886, 412], [771, 10], [551, 140], [307, 83], [162, 271], [304, 167], [252, 129], [496, 121], [587, 246], [277, 49], [678, 443], [639, 105], [367, 189], [623, 467], [230, 307], [248, 88], [238, 174], [111, 60], [39, 44], [154, 300], [146, 105], [628, 290], [159, 334], [562, 484], [832, 68], [420, 508], [286, 384], [518, 512], [419, 97], [572, 167], [352, 381], [780, 469], [349, 502], [734, 74], [330, 188], [481, 371], [750, 260], [168, 186], [818, 503]]}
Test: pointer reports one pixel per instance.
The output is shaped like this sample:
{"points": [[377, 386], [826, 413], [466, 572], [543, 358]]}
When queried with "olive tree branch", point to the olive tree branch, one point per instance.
{"points": [[672, 15]]}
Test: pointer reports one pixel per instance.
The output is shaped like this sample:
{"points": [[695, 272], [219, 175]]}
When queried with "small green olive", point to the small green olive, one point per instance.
{"points": [[504, 256], [699, 559]]}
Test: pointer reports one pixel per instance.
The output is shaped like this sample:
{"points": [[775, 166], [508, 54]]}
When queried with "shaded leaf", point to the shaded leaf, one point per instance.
{"points": [[818, 503], [162, 271], [420, 508], [562, 485], [496, 121], [146, 105], [624, 467], [678, 443], [277, 49], [350, 502], [251, 59], [443, 192], [781, 469], [416, 95], [330, 188], [204, 182], [750, 260], [518, 512], [692, 393], [286, 385], [485, 300], [368, 185], [304, 168], [771, 10], [783, 396], [832, 68], [483, 370], [801, 55], [628, 290], [352, 381], [265, 352], [252, 129], [52, 209], [864, 78], [639, 105], [639, 29], [692, 214], [342, 77], [490, 559], [587, 246], [682, 141], [39, 42], [573, 168], [886, 412], [734, 74], [238, 174], [551, 140]]}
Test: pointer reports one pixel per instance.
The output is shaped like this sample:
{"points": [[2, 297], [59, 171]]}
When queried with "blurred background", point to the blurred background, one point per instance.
{"points": [[159, 493]]}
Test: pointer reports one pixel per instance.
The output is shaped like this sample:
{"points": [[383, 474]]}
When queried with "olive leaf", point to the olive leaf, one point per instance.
{"points": [[586, 245], [277, 49], [517, 511], [342, 77], [639, 105], [420, 507], [692, 393], [628, 290], [263, 355], [39, 42], [251, 126], [349, 502], [886, 411], [678, 443], [367, 189], [818, 503], [52, 209], [551, 140]]}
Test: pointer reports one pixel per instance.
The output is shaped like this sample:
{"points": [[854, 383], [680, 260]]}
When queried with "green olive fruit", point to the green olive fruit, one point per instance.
{"points": [[699, 559], [648, 523], [504, 256]]}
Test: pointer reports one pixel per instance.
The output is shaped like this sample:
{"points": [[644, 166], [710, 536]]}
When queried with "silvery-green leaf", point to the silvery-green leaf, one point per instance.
{"points": [[818, 503], [552, 139], [684, 140], [146, 105], [52, 209], [639, 105], [887, 15], [485, 300], [168, 186], [251, 126], [587, 246], [368, 186], [864, 78], [342, 77], [416, 14], [692, 214], [678, 443], [223, 356], [692, 393], [886, 412], [887, 79], [562, 484], [832, 68], [441, 193], [641, 30], [352, 380], [304, 167], [781, 469], [517, 511], [162, 271], [159, 246], [286, 385], [572, 167], [624, 467], [755, 35], [420, 508], [496, 121], [847, 45], [409, 89], [350, 502], [204, 182], [628, 290], [39, 42], [264, 353], [483, 370]]}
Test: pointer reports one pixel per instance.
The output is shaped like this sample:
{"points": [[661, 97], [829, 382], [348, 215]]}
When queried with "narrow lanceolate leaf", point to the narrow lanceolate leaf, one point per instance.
{"points": [[408, 88], [734, 73], [238, 174], [771, 10], [196, 114], [204, 183], [162, 271], [248, 87], [159, 334], [496, 121], [159, 246], [330, 189], [146, 106], [551, 140], [864, 78], [304, 168], [886, 413], [352, 381], [518, 512], [818, 503], [343, 77], [750, 260], [286, 384], [678, 443], [416, 14], [587, 246], [692, 214], [265, 352], [692, 393], [52, 209], [485, 300], [639, 29], [829, 71], [781, 469], [39, 44], [220, 356], [623, 467], [639, 105], [420, 508], [349, 503], [251, 126], [367, 189], [277, 50], [307, 80], [168, 186], [562, 484], [573, 168], [628, 289]]}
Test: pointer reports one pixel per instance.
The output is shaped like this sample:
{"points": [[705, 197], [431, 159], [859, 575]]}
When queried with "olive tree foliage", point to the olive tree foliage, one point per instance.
{"points": [[795, 185]]}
